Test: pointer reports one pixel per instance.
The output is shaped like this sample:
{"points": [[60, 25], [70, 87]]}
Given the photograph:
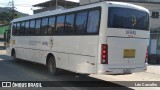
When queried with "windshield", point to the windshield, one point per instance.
{"points": [[127, 18]]}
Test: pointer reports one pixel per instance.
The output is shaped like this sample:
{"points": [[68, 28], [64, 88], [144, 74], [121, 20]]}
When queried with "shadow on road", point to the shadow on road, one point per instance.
{"points": [[63, 78]]}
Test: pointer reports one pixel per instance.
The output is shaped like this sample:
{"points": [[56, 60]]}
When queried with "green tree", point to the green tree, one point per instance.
{"points": [[5, 17]]}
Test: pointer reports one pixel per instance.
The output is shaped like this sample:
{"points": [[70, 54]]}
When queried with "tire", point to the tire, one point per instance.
{"points": [[51, 66]]}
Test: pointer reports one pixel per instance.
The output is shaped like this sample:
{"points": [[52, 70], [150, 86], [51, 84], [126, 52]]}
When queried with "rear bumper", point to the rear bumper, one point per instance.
{"points": [[123, 70]]}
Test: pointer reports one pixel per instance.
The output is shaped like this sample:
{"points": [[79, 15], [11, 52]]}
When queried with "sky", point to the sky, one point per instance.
{"points": [[24, 6]]}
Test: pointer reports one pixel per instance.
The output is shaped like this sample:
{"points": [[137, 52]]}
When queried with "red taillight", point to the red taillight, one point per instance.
{"points": [[104, 54], [146, 59]]}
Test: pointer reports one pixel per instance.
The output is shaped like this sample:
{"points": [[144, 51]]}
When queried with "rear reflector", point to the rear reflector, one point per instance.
{"points": [[104, 54]]}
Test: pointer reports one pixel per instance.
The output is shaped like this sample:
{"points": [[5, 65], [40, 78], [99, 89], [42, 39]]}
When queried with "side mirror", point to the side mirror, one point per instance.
{"points": [[9, 34], [4, 36]]}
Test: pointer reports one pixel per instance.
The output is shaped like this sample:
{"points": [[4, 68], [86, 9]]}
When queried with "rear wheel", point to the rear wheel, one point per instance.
{"points": [[51, 65]]}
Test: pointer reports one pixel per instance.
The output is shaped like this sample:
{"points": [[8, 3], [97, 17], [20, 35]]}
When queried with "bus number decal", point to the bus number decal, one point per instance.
{"points": [[131, 32], [34, 42], [45, 43]]}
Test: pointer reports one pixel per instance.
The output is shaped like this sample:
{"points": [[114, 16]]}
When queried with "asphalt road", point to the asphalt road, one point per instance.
{"points": [[28, 71]]}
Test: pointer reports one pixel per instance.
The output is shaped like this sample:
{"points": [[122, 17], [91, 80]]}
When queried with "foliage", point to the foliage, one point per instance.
{"points": [[6, 17]]}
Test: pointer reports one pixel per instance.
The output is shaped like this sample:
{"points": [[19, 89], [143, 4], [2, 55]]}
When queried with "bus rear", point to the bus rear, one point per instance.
{"points": [[127, 38]]}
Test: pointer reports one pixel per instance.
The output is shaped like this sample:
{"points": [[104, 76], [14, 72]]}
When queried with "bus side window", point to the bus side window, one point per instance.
{"points": [[44, 26], [51, 28], [69, 23], [27, 30], [22, 28], [81, 21], [18, 28], [93, 21], [60, 24], [32, 27], [38, 26], [14, 30]]}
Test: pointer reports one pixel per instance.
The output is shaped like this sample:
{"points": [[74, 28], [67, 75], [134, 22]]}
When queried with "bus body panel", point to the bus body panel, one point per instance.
{"points": [[78, 57], [80, 51], [119, 42], [116, 51], [121, 39], [82, 64]]}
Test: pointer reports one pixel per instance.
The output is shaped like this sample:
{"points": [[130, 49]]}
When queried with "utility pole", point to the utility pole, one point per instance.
{"points": [[11, 4], [56, 4], [13, 13]]}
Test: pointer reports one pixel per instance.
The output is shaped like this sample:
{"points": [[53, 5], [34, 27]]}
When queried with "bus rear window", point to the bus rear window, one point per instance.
{"points": [[128, 18]]}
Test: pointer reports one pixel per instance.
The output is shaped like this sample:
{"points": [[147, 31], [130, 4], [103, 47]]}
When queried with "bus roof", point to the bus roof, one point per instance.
{"points": [[127, 4], [59, 11]]}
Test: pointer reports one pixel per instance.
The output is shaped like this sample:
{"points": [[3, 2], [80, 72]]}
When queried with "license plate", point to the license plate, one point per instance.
{"points": [[129, 53]]}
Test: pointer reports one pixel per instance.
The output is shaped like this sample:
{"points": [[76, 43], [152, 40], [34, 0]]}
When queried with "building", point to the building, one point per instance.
{"points": [[54, 4], [152, 5]]}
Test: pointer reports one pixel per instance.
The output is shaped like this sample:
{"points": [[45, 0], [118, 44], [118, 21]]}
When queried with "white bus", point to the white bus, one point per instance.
{"points": [[100, 38]]}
